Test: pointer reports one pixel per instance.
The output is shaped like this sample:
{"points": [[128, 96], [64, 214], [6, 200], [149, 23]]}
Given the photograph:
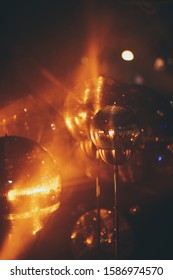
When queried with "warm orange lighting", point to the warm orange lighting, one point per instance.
{"points": [[159, 64], [69, 123], [89, 240], [41, 189], [37, 228], [80, 118], [73, 235], [86, 95], [98, 93], [127, 55], [53, 126], [35, 211], [84, 60], [111, 133], [83, 115]]}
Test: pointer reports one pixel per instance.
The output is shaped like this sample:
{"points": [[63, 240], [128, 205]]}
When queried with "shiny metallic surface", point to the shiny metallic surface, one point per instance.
{"points": [[89, 149], [153, 111], [77, 115], [115, 157], [114, 127], [30, 182], [84, 235]]}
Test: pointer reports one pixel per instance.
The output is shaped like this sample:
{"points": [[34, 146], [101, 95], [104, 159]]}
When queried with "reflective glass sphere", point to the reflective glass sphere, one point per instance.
{"points": [[114, 131], [84, 236], [35, 118], [115, 157], [30, 183], [114, 127], [153, 111]]}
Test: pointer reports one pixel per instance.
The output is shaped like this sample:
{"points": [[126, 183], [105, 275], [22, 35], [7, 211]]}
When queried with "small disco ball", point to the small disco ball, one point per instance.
{"points": [[114, 129], [84, 236], [30, 184]]}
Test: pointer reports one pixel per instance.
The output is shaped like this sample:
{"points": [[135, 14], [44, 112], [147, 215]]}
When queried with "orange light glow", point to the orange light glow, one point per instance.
{"points": [[159, 64], [53, 126], [89, 240], [69, 123], [111, 133], [86, 95], [41, 189], [36, 210], [83, 115], [73, 235], [98, 93]]}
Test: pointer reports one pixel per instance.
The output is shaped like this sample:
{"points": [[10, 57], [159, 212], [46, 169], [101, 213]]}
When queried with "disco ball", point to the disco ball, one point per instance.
{"points": [[30, 184], [84, 236], [35, 118], [152, 109], [114, 128], [155, 116]]}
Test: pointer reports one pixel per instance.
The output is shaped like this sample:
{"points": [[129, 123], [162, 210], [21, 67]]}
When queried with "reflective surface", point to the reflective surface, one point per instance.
{"points": [[84, 236], [77, 115], [115, 157], [36, 117], [89, 149], [30, 183], [114, 127], [153, 111]]}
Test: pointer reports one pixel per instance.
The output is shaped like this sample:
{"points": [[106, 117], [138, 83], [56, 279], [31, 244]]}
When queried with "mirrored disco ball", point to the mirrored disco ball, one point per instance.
{"points": [[154, 111], [30, 184], [80, 106], [114, 131], [114, 127], [35, 118], [84, 236], [30, 117]]}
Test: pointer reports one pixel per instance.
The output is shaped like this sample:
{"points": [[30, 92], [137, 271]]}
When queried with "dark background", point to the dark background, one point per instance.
{"points": [[55, 35]]}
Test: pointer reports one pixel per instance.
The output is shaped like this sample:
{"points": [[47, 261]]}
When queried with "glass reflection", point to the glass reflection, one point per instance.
{"points": [[84, 236]]}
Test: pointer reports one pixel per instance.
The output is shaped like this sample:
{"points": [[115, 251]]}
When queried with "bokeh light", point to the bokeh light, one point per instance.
{"points": [[127, 55]]}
